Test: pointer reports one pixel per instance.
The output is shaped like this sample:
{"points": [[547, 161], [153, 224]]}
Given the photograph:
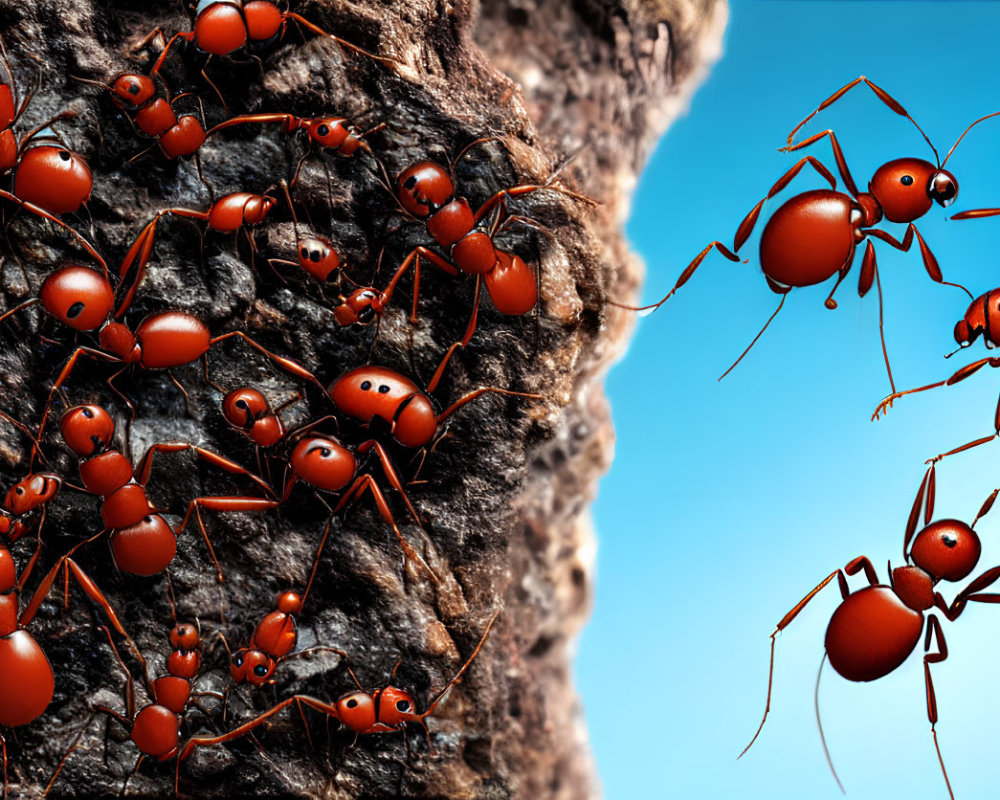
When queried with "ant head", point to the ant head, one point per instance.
{"points": [[77, 297], [31, 492], [947, 549], [88, 430], [184, 636], [360, 307], [396, 707], [329, 132], [244, 406], [133, 89], [318, 258], [907, 187], [251, 666], [356, 710], [323, 463], [53, 178], [424, 188]]}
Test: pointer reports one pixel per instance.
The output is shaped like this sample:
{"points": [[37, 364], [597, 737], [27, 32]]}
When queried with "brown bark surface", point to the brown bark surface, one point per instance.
{"points": [[581, 89]]}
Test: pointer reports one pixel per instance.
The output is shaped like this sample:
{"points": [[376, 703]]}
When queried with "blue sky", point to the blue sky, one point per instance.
{"points": [[728, 501]]}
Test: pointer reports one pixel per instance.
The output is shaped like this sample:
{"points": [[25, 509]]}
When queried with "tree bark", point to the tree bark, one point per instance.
{"points": [[579, 90]]}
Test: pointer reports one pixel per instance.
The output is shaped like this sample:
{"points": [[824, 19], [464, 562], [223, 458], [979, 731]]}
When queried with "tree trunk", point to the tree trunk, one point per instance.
{"points": [[578, 91]]}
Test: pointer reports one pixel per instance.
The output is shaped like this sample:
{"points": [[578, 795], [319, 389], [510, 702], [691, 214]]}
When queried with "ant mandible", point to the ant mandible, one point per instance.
{"points": [[813, 235], [385, 710], [875, 629]]}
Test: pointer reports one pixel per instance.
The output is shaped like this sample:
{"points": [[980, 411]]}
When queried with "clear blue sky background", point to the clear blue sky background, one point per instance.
{"points": [[729, 501]]}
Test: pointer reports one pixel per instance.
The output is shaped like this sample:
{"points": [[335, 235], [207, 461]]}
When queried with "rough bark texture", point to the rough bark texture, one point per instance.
{"points": [[585, 87]]}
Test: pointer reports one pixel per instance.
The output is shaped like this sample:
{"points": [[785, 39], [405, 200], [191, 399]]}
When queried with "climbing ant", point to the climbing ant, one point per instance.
{"points": [[875, 629], [813, 235]]}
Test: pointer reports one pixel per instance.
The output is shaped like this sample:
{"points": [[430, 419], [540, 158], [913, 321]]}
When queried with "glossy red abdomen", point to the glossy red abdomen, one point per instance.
{"points": [[512, 285], [145, 548], [275, 634], [263, 19], [26, 680], [53, 178], [155, 731], [171, 338], [871, 633], [808, 239], [220, 29]]}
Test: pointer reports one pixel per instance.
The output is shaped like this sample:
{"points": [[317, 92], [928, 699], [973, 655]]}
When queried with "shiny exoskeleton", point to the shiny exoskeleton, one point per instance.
{"points": [[875, 629], [142, 542], [813, 235], [385, 710], [154, 115]]}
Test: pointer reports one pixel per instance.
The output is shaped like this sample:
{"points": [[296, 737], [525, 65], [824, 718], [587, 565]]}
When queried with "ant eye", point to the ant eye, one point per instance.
{"points": [[949, 540], [133, 88], [242, 404], [383, 389], [322, 130], [64, 155], [366, 385], [403, 705], [410, 182], [260, 670], [20, 490], [906, 180], [238, 660], [74, 310], [88, 413], [352, 703], [316, 256]]}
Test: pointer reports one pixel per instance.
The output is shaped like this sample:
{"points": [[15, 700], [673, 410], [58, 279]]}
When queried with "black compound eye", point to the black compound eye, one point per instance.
{"points": [[316, 256], [19, 490], [949, 539], [260, 670], [410, 182], [906, 180], [88, 413], [323, 130], [242, 404], [403, 705], [366, 385], [366, 314], [133, 87], [383, 389], [238, 660], [352, 703], [64, 155], [74, 310]]}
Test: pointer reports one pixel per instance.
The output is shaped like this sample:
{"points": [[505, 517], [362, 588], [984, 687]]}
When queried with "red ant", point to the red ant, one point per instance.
{"points": [[154, 728], [272, 642], [385, 710], [136, 95], [981, 318], [814, 234], [142, 542], [223, 27], [48, 180], [28, 681], [426, 191], [874, 630]]}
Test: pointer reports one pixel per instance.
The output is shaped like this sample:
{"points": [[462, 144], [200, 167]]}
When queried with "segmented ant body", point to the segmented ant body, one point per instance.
{"points": [[154, 115], [874, 630], [385, 710], [426, 191], [142, 542], [813, 235], [155, 728], [225, 27]]}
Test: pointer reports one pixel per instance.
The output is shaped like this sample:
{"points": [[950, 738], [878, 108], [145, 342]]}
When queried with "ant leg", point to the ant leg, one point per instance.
{"points": [[387, 62], [830, 303], [478, 392], [75, 743], [882, 95], [64, 374], [819, 724], [856, 565], [390, 473], [689, 270], [221, 504], [286, 364], [499, 200], [934, 629], [216, 460], [930, 262], [838, 155], [959, 375], [414, 258], [366, 482]]}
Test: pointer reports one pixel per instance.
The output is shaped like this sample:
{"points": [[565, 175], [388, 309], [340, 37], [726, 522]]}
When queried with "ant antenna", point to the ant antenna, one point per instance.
{"points": [[458, 675], [822, 738]]}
